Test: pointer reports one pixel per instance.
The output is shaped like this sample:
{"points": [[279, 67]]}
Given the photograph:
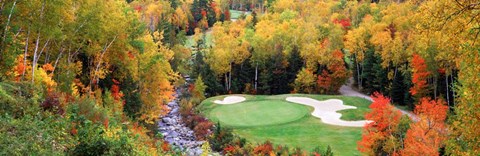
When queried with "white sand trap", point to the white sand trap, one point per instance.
{"points": [[230, 100], [326, 111]]}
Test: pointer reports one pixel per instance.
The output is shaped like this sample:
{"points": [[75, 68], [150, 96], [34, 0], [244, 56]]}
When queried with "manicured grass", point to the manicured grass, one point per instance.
{"points": [[190, 43], [355, 114], [306, 132], [247, 114], [234, 14]]}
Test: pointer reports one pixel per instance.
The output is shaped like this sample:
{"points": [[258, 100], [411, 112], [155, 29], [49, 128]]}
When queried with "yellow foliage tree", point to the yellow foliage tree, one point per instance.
{"points": [[155, 73]]}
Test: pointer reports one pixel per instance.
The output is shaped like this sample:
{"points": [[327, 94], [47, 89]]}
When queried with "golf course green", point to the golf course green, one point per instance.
{"points": [[247, 113], [260, 118]]}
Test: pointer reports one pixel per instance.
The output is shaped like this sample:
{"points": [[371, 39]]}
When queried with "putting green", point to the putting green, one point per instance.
{"points": [[247, 114], [307, 132]]}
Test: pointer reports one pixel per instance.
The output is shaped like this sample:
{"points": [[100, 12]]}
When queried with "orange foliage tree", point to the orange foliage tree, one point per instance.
{"points": [[19, 68], [426, 136], [116, 94], [330, 82], [378, 134], [324, 81], [419, 76]]}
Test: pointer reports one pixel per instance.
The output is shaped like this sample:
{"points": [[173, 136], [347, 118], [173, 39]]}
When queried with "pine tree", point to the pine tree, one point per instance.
{"points": [[295, 64], [398, 89], [201, 68], [264, 82], [368, 74]]}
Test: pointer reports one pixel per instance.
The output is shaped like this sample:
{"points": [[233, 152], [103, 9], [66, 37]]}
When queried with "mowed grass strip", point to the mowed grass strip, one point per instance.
{"points": [[307, 132]]}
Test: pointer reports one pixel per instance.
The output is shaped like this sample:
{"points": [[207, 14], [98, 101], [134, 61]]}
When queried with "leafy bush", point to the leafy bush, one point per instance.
{"points": [[93, 140], [17, 99], [52, 104], [320, 151], [34, 135], [221, 138], [202, 129], [263, 149], [186, 107]]}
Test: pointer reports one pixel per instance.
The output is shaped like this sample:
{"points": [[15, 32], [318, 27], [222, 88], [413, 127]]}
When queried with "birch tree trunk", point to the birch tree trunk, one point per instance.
{"points": [[25, 54], [226, 82], [359, 76], [448, 96], [230, 77], [435, 83], [256, 76], [41, 52], [453, 90], [95, 77], [34, 64], [6, 25], [58, 58]]}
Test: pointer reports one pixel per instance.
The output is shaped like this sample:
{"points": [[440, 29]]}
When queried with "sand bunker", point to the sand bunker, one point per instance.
{"points": [[326, 111], [230, 100]]}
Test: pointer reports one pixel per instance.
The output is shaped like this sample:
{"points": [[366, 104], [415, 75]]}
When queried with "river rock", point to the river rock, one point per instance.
{"points": [[176, 133]]}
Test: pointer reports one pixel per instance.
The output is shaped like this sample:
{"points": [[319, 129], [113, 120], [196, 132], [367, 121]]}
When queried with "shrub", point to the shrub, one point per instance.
{"points": [[202, 129], [263, 149], [221, 138], [52, 104], [17, 99], [186, 107], [319, 151], [34, 135]]}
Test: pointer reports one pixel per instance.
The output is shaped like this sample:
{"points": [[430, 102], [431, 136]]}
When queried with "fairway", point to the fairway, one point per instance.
{"points": [[270, 112], [260, 118]]}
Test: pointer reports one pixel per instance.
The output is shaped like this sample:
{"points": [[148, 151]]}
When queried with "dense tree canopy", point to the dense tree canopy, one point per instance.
{"points": [[106, 69]]}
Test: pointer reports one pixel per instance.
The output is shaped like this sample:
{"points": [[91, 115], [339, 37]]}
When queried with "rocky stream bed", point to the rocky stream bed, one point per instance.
{"points": [[176, 133]]}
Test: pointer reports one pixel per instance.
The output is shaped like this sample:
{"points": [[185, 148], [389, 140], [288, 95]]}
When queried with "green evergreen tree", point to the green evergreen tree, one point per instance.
{"points": [[264, 82], [201, 68], [295, 64], [244, 72], [398, 89], [368, 74]]}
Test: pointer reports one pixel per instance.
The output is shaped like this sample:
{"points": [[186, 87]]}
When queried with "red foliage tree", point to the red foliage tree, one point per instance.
{"points": [[202, 130], [213, 5], [385, 119], [226, 15], [138, 8], [165, 146], [105, 123], [229, 149], [131, 55], [339, 71], [115, 90], [324, 81], [204, 13], [426, 136], [263, 149], [53, 104], [73, 130], [419, 76], [345, 23], [19, 68], [330, 82]]}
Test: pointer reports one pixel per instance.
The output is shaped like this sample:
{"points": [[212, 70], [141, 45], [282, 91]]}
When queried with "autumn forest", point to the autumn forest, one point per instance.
{"points": [[239, 77]]}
